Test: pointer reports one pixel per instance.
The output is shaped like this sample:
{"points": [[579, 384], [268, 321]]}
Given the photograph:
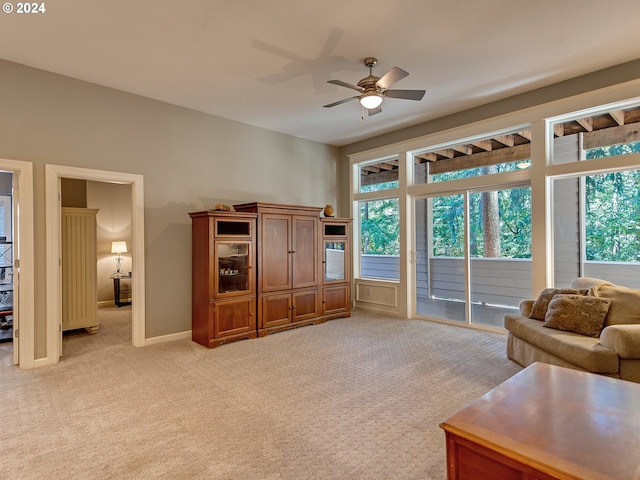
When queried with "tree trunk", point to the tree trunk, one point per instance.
{"points": [[490, 220]]}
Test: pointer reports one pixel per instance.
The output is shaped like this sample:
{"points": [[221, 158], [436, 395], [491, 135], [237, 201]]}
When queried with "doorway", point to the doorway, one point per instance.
{"points": [[54, 175], [17, 249]]}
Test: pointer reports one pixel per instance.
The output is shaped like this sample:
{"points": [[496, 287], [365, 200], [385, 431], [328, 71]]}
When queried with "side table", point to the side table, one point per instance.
{"points": [[117, 290]]}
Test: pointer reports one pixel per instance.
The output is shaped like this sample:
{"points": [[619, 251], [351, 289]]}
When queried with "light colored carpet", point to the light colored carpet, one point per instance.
{"points": [[356, 398]]}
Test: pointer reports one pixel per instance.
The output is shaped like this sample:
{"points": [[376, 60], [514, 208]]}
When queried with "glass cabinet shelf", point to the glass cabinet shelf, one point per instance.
{"points": [[233, 264]]}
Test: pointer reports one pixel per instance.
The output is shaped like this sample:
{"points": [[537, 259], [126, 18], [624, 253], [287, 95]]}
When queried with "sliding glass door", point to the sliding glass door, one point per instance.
{"points": [[439, 259], [473, 255]]}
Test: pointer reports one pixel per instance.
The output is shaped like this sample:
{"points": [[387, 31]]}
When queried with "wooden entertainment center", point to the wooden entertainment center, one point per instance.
{"points": [[548, 422], [265, 268]]}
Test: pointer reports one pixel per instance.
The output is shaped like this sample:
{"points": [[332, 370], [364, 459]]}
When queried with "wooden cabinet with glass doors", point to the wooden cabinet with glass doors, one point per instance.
{"points": [[336, 274], [288, 273], [223, 277]]}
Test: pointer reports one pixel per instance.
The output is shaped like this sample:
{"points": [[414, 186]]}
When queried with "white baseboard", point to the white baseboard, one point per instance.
{"points": [[168, 338]]}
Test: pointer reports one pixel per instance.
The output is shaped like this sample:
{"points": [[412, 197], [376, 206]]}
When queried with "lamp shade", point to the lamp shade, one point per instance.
{"points": [[370, 100], [118, 247]]}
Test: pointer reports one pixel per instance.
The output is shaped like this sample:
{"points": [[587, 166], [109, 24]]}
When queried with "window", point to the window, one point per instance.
{"points": [[503, 152], [597, 227], [604, 134], [448, 226], [612, 217], [379, 239], [500, 223], [613, 151], [378, 176]]}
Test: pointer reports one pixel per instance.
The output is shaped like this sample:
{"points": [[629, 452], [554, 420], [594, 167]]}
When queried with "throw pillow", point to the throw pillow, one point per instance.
{"points": [[577, 313], [539, 309], [625, 304]]}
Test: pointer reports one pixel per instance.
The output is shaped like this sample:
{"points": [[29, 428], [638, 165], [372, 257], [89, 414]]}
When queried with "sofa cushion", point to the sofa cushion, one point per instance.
{"points": [[588, 282], [581, 350], [539, 309], [577, 314], [625, 304]]}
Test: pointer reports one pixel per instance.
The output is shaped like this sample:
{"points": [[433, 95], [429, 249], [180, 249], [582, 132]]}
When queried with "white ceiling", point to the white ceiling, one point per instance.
{"points": [[266, 63]]}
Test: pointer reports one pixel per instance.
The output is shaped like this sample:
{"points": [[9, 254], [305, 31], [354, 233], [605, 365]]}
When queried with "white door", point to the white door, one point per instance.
{"points": [[15, 232], [8, 313]]}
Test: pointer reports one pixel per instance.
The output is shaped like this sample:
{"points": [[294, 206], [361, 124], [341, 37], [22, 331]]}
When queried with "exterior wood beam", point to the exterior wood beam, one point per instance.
{"points": [[379, 177], [482, 159], [525, 134], [586, 123], [612, 136], [506, 140], [429, 157], [463, 149], [485, 145], [447, 153], [617, 116]]}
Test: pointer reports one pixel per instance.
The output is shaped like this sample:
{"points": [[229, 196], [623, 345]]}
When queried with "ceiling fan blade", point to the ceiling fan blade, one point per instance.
{"points": [[374, 111], [340, 102], [405, 94], [345, 84], [391, 77]]}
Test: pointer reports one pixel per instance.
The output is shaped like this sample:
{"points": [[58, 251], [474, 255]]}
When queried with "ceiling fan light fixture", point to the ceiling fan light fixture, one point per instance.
{"points": [[370, 100], [373, 89]]}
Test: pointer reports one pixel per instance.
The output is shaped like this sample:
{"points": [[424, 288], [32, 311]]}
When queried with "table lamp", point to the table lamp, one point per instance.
{"points": [[119, 248]]}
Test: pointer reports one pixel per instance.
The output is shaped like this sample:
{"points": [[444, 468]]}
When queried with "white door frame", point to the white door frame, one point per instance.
{"points": [[23, 251], [53, 176]]}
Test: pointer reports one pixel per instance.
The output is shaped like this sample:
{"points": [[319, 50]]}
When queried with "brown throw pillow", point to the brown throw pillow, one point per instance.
{"points": [[577, 313], [539, 309]]}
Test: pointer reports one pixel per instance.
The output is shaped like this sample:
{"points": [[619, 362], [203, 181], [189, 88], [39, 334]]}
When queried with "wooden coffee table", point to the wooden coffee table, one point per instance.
{"points": [[548, 422]]}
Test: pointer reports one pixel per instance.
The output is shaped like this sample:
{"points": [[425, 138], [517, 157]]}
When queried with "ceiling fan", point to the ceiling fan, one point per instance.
{"points": [[373, 89]]}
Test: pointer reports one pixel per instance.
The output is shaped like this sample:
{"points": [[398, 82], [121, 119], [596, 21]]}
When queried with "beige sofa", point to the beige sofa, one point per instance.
{"points": [[615, 352]]}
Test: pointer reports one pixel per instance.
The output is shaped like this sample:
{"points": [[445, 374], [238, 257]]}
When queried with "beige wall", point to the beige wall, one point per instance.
{"points": [[190, 161], [114, 221]]}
